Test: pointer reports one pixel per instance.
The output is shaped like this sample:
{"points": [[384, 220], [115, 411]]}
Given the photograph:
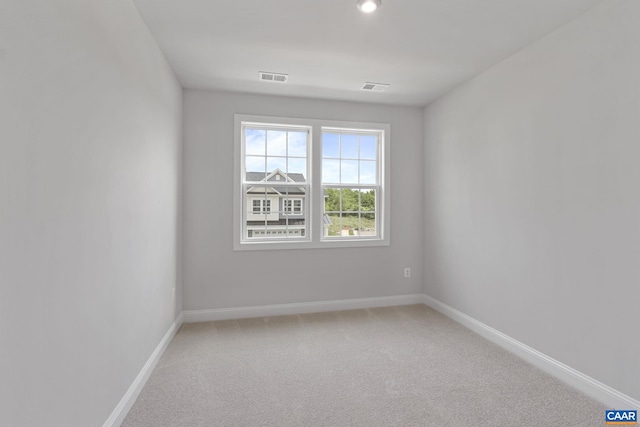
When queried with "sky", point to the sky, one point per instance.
{"points": [[346, 158]]}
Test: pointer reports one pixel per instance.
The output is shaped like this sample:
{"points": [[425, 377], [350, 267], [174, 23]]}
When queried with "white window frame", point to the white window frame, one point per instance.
{"points": [[313, 203]]}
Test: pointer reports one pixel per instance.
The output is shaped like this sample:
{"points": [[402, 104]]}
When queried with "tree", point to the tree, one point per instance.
{"points": [[368, 200], [352, 200], [332, 201]]}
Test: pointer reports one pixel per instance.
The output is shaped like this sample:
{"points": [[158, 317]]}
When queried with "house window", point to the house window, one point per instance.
{"points": [[292, 207], [307, 183], [261, 206]]}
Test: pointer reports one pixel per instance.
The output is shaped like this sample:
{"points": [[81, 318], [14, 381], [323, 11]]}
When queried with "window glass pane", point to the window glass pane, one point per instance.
{"points": [[349, 212], [256, 226], [276, 143], [276, 179], [368, 172], [331, 200], [274, 163], [349, 146], [294, 228], [266, 226], [331, 171], [349, 171], [368, 147], [330, 145], [254, 140], [293, 206], [350, 200], [298, 144], [367, 224], [297, 169], [350, 224], [331, 217], [332, 224], [255, 167], [368, 200], [292, 200]]}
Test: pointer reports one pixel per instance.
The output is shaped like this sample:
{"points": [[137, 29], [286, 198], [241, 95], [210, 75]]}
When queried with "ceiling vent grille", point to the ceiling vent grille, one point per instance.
{"points": [[273, 77], [375, 87]]}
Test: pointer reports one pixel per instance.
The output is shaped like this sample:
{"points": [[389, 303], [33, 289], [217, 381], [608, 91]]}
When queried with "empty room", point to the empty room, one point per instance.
{"points": [[330, 213]]}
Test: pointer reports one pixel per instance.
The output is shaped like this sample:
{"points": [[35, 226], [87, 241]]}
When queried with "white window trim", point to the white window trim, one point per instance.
{"points": [[313, 205]]}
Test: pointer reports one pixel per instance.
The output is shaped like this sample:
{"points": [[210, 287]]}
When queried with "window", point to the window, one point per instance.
{"points": [[306, 183], [350, 182], [274, 174], [261, 206], [293, 207]]}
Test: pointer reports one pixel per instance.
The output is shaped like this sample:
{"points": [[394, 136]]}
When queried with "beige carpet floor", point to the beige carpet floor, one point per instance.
{"points": [[396, 366]]}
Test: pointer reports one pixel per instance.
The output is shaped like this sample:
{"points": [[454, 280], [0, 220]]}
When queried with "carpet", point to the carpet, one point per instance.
{"points": [[392, 366]]}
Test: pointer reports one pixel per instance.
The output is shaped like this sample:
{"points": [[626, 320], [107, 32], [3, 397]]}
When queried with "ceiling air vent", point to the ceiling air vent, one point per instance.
{"points": [[273, 77], [375, 87]]}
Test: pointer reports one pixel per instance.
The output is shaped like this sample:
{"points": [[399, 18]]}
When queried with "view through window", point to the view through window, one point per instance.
{"points": [[275, 180], [350, 180], [311, 183]]}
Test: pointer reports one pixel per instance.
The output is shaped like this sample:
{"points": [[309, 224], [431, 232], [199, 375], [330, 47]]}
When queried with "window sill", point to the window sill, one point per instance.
{"points": [[323, 244]]}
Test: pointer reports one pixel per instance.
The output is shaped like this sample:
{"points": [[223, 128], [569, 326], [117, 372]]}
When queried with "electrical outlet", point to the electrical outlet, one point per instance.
{"points": [[407, 272]]}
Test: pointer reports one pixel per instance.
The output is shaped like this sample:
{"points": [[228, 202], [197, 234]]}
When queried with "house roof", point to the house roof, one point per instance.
{"points": [[272, 177]]}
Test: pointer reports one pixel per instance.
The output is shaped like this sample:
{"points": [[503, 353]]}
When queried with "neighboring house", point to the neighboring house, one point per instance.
{"points": [[277, 210]]}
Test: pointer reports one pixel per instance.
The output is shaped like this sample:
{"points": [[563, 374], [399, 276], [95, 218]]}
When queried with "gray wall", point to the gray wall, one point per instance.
{"points": [[533, 196], [90, 133], [217, 277]]}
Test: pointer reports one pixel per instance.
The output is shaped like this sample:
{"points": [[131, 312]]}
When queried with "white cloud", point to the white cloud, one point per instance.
{"points": [[330, 171], [367, 172], [349, 172], [254, 142], [276, 143], [255, 164], [297, 144]]}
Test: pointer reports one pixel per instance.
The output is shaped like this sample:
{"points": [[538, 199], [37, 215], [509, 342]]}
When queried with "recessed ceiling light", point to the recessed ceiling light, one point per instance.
{"points": [[368, 6]]}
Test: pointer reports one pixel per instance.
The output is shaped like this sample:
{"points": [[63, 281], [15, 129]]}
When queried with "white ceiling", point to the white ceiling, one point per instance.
{"points": [[422, 48]]}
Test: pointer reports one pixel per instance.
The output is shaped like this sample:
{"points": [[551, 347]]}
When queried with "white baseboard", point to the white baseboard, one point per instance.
{"points": [[191, 316], [120, 412], [587, 385]]}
